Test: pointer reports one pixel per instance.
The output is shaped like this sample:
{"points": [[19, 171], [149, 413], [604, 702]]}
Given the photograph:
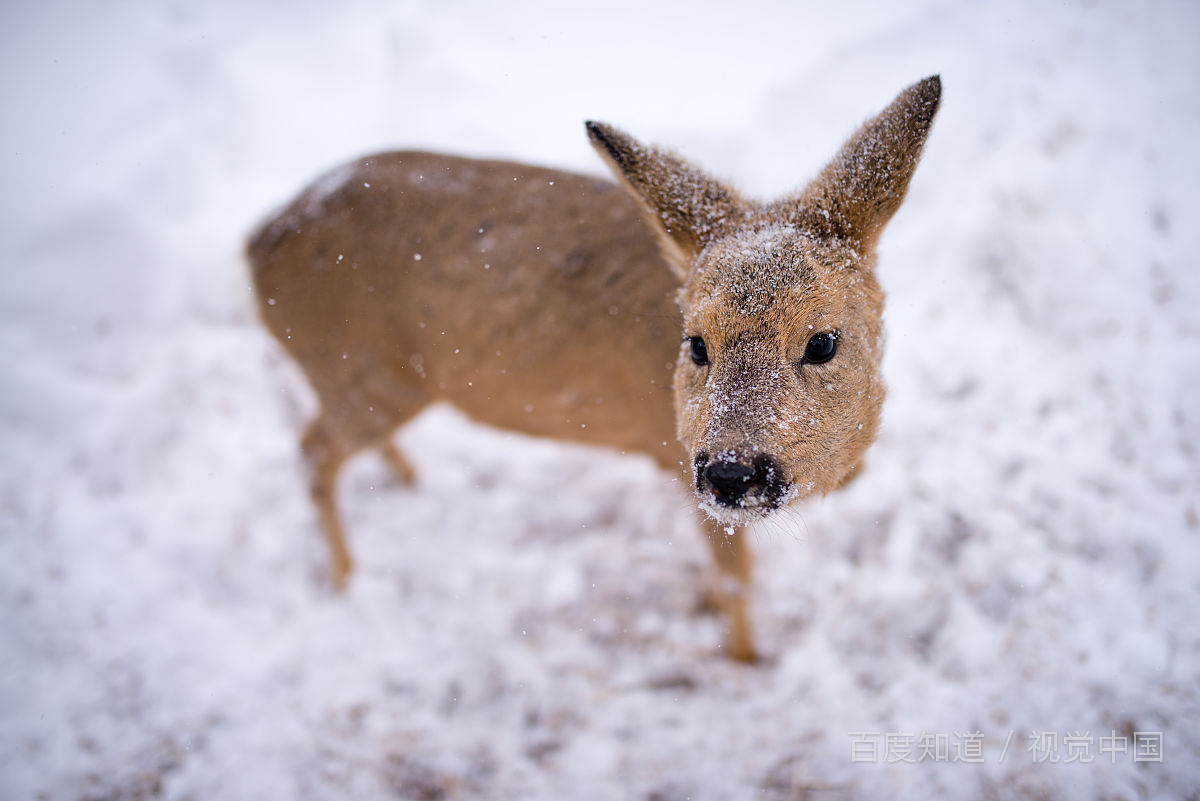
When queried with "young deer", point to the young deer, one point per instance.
{"points": [[672, 310]]}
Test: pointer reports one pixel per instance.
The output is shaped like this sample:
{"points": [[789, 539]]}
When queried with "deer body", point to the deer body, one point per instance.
{"points": [[666, 311]]}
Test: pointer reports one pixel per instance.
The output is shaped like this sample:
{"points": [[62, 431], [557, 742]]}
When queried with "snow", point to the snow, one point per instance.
{"points": [[1021, 554]]}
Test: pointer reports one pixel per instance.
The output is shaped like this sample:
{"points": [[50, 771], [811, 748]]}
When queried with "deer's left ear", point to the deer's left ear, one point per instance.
{"points": [[685, 206], [858, 192]]}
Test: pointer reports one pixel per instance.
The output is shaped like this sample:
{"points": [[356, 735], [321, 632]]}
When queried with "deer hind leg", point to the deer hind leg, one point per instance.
{"points": [[326, 450], [395, 458], [341, 430], [731, 593]]}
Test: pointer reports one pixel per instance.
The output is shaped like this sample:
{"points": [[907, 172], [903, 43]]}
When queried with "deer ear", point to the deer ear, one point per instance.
{"points": [[858, 192], [686, 207]]}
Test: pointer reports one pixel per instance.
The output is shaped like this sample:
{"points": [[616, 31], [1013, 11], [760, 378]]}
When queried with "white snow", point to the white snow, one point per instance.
{"points": [[1022, 554]]}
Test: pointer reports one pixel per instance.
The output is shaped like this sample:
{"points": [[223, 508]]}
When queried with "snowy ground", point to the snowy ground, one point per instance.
{"points": [[1022, 556]]}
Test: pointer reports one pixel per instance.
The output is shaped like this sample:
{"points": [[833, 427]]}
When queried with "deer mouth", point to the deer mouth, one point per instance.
{"points": [[737, 489]]}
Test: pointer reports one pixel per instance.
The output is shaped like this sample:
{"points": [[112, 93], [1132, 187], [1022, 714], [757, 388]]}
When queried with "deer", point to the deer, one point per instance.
{"points": [[736, 342]]}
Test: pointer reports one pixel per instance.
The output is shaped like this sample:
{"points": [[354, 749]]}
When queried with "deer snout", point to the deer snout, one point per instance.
{"points": [[729, 481]]}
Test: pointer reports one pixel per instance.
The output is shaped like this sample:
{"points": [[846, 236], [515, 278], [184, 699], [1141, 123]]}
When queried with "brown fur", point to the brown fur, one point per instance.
{"points": [[541, 301]]}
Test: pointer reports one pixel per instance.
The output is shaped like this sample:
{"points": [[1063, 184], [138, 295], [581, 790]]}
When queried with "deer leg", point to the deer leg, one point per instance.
{"points": [[325, 454], [732, 590], [395, 458]]}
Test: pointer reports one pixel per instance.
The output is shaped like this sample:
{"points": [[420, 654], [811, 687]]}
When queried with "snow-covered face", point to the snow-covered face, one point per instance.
{"points": [[777, 385]]}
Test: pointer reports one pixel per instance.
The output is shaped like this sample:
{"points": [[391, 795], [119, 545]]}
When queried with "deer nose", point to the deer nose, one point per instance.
{"points": [[729, 481]]}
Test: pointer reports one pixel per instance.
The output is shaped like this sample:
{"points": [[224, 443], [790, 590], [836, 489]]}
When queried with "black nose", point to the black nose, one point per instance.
{"points": [[729, 481]]}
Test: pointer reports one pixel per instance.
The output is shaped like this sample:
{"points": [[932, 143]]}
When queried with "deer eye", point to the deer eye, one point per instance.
{"points": [[821, 347], [699, 351]]}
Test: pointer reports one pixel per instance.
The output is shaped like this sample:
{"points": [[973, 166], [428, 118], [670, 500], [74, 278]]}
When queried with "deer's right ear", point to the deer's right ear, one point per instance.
{"points": [[860, 190], [684, 206]]}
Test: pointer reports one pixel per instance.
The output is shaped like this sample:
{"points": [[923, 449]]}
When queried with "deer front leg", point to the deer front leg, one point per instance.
{"points": [[731, 592]]}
